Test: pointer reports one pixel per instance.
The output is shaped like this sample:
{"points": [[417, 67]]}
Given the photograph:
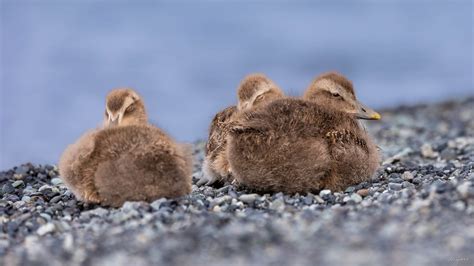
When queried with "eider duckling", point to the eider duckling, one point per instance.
{"points": [[255, 90], [305, 145], [126, 160]]}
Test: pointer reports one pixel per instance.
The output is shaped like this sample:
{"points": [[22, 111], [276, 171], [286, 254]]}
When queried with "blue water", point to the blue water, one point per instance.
{"points": [[60, 58]]}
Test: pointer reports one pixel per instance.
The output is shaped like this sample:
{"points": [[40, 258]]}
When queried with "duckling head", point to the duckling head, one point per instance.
{"points": [[336, 91], [255, 90], [124, 107]]}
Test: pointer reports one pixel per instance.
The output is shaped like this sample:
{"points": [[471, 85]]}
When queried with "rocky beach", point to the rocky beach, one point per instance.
{"points": [[417, 210]]}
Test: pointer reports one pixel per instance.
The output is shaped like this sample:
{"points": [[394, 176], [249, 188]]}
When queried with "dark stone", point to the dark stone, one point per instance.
{"points": [[7, 188]]}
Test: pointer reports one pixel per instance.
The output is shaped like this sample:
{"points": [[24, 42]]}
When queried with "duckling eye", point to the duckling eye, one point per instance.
{"points": [[259, 98], [335, 94], [130, 109]]}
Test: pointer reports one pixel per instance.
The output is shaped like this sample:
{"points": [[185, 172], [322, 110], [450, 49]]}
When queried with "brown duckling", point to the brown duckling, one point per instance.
{"points": [[126, 160], [305, 145], [254, 91]]}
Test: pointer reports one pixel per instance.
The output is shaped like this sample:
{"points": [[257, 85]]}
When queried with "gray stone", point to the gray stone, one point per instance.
{"points": [[407, 176], [356, 198], [7, 188], [56, 181], [248, 198], [46, 229], [427, 151], [221, 200], [395, 186], [277, 205], [18, 183], [324, 192], [465, 190], [156, 205]]}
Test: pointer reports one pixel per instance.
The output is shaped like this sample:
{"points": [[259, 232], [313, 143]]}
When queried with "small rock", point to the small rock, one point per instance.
{"points": [[44, 187], [318, 199], [308, 200], [46, 229], [156, 205], [448, 154], [346, 199], [46, 216], [407, 184], [395, 186], [350, 190], [26, 199], [465, 190], [427, 151], [324, 193], [220, 200], [459, 205], [407, 176], [7, 188], [248, 198], [363, 192], [18, 183], [417, 180], [277, 205], [55, 199], [356, 198], [56, 181]]}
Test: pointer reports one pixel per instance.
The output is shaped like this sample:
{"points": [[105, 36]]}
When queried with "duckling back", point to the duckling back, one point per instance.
{"points": [[128, 163], [293, 146]]}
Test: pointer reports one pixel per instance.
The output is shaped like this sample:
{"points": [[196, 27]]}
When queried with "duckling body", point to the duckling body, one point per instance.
{"points": [[301, 145], [216, 166], [131, 162], [254, 91]]}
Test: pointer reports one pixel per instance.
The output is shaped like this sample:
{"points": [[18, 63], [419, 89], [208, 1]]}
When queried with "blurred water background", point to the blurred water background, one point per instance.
{"points": [[60, 58]]}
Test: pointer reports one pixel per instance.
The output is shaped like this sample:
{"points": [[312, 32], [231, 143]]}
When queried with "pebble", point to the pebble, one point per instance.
{"points": [[466, 190], [44, 187], [324, 193], [350, 190], [407, 176], [356, 198], [7, 188], [395, 186], [156, 205], [18, 183], [278, 205], [248, 198], [46, 229], [427, 151], [55, 199], [363, 192], [221, 200], [56, 181]]}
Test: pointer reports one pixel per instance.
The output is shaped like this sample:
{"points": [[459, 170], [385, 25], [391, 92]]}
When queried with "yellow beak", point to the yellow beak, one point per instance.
{"points": [[364, 112]]}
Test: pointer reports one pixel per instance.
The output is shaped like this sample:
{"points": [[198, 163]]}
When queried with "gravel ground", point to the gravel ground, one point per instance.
{"points": [[418, 210]]}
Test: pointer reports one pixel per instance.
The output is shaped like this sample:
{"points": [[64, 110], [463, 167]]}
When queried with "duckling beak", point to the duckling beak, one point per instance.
{"points": [[364, 112], [113, 121]]}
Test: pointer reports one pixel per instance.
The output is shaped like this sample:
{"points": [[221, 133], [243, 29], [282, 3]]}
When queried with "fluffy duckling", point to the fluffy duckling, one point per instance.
{"points": [[305, 145], [128, 159], [254, 91]]}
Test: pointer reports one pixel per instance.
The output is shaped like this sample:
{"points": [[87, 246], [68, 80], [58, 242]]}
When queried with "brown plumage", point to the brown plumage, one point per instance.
{"points": [[132, 161], [254, 91], [124, 106], [299, 146]]}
